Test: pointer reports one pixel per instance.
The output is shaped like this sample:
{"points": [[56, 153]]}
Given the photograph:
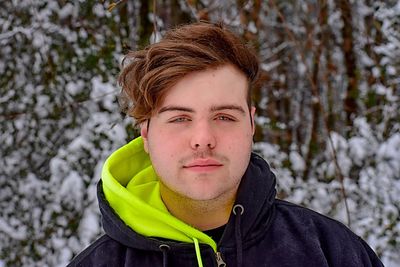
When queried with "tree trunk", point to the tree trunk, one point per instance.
{"points": [[350, 101]]}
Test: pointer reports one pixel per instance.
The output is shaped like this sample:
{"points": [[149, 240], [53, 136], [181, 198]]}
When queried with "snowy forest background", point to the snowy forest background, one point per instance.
{"points": [[328, 116]]}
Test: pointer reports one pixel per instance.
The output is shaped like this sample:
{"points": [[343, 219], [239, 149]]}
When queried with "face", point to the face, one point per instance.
{"points": [[199, 139]]}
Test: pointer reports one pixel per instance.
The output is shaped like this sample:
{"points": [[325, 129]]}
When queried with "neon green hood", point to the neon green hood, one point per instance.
{"points": [[131, 187]]}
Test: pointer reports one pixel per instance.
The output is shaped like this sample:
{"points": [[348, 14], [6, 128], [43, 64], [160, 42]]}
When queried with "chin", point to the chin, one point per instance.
{"points": [[205, 195]]}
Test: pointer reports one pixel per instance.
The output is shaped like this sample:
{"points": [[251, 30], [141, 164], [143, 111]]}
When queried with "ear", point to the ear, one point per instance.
{"points": [[252, 114], [144, 129]]}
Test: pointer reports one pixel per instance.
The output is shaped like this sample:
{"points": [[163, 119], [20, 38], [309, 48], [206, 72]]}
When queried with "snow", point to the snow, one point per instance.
{"points": [[389, 151], [99, 10], [15, 232], [104, 91], [75, 87], [302, 68], [391, 70], [252, 27], [67, 10], [297, 161], [358, 149], [38, 39], [381, 90], [71, 190], [271, 65], [89, 226]]}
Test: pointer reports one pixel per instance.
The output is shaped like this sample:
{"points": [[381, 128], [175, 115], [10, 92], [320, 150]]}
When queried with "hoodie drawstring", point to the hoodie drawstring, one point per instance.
{"points": [[238, 233], [164, 248], [197, 248]]}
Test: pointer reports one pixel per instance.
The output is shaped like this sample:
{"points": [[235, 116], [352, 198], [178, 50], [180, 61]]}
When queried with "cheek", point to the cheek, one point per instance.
{"points": [[164, 147], [237, 141], [239, 150]]}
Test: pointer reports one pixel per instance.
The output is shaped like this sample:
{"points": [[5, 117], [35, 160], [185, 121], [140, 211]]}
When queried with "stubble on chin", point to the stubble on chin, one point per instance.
{"points": [[186, 201]]}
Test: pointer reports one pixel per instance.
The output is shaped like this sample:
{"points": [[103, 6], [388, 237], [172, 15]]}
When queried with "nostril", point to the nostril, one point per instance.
{"points": [[208, 145], [211, 145]]}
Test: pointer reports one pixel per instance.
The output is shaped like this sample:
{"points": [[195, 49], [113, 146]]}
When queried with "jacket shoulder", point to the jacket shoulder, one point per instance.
{"points": [[313, 223], [340, 246], [102, 252], [305, 214]]}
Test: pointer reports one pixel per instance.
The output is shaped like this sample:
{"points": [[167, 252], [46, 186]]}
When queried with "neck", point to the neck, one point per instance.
{"points": [[201, 214]]}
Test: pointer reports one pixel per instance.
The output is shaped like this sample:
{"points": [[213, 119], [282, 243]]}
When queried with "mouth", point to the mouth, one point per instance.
{"points": [[203, 165]]}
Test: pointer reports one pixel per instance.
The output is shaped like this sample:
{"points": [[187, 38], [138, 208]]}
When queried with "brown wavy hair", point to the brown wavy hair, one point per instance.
{"points": [[147, 74]]}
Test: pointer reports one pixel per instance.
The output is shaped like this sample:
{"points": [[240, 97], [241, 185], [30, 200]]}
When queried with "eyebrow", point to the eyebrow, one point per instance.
{"points": [[213, 108], [175, 108], [228, 107]]}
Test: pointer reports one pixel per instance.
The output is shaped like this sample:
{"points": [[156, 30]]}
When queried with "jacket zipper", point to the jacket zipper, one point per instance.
{"points": [[220, 261]]}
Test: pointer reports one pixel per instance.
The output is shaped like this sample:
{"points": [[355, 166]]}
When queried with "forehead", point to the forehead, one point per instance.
{"points": [[222, 85]]}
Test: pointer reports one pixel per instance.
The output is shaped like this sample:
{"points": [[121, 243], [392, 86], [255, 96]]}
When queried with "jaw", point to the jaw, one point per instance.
{"points": [[202, 212]]}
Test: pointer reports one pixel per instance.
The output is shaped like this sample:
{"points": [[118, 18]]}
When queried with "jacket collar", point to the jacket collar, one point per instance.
{"points": [[256, 195]]}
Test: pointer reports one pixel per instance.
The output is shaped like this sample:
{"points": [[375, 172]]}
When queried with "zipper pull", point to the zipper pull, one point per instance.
{"points": [[220, 261]]}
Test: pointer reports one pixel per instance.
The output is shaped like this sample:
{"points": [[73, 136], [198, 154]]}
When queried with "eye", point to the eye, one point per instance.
{"points": [[178, 120], [224, 118]]}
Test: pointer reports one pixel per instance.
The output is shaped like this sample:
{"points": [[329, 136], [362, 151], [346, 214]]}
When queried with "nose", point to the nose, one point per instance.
{"points": [[203, 137]]}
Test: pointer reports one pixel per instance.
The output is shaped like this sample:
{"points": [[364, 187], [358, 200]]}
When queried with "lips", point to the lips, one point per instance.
{"points": [[203, 165]]}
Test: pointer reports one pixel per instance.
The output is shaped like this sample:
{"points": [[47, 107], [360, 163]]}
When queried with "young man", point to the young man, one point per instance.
{"points": [[189, 192]]}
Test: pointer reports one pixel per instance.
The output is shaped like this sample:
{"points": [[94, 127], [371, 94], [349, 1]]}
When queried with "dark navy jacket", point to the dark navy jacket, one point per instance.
{"points": [[263, 231]]}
